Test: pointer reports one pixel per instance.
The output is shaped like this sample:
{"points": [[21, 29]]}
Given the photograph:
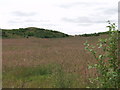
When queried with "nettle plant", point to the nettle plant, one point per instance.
{"points": [[107, 66]]}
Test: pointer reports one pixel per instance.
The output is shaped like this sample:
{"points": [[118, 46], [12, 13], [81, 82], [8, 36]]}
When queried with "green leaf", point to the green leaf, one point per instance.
{"points": [[89, 66], [95, 65], [100, 45], [100, 57], [90, 50]]}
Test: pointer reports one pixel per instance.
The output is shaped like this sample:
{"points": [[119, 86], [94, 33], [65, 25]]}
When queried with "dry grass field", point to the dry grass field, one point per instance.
{"points": [[47, 63]]}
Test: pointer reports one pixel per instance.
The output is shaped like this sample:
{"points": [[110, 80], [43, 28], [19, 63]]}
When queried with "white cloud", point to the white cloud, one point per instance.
{"points": [[68, 16]]}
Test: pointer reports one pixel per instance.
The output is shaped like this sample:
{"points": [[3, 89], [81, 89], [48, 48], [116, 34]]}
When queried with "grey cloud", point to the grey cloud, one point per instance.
{"points": [[15, 21], [77, 20], [111, 11], [32, 20], [87, 4], [19, 13], [49, 24], [108, 10], [27, 21], [82, 20], [85, 24]]}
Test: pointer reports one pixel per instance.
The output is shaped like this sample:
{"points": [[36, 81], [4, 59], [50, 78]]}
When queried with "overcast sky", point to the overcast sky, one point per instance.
{"points": [[68, 16]]}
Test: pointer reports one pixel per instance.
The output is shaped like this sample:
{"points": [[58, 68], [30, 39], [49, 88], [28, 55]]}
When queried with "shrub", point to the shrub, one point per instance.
{"points": [[108, 71]]}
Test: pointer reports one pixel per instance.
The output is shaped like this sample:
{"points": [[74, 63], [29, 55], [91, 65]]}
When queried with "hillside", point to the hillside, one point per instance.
{"points": [[32, 32], [95, 34], [40, 33]]}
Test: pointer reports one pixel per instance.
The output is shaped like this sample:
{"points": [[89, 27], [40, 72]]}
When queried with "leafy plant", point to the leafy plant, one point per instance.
{"points": [[107, 65]]}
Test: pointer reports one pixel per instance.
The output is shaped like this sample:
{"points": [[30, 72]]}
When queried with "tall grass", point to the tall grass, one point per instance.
{"points": [[63, 79], [27, 77], [42, 76], [107, 63]]}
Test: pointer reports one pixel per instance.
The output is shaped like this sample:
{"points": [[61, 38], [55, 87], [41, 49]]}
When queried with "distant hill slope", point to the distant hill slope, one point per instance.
{"points": [[32, 32], [95, 34], [40, 33]]}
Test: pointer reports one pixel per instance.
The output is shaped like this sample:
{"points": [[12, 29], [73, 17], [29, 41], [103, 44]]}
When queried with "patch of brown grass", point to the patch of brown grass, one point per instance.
{"points": [[69, 52]]}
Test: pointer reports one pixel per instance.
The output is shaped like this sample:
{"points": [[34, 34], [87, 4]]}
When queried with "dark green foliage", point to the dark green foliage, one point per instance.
{"points": [[92, 34], [95, 34], [32, 32]]}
